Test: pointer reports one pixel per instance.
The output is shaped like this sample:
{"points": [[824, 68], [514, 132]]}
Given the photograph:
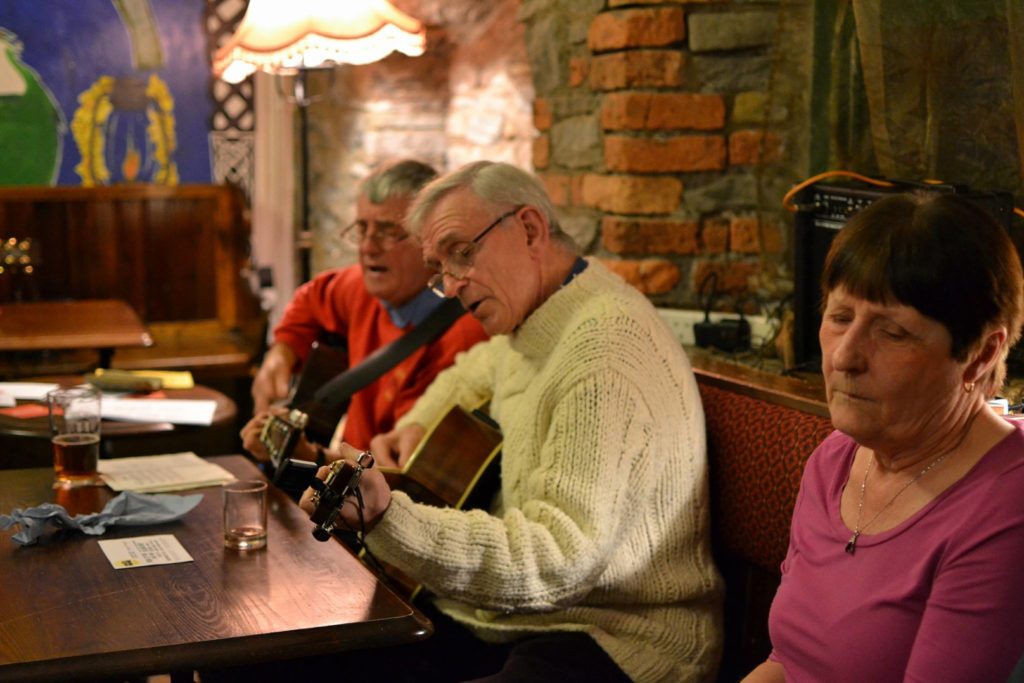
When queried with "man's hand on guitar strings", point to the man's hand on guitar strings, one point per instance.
{"points": [[394, 448], [272, 381]]}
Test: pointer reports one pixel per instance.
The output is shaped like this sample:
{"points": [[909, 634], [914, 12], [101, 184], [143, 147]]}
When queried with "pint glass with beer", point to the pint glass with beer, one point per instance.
{"points": [[75, 435]]}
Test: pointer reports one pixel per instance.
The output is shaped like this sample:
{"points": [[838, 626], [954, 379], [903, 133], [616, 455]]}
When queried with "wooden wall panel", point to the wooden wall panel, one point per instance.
{"points": [[175, 254]]}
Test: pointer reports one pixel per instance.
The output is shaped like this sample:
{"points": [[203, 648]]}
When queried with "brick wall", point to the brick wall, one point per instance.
{"points": [[666, 132], [468, 97]]}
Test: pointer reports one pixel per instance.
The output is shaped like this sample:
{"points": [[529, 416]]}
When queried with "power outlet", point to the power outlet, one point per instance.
{"points": [[681, 322]]}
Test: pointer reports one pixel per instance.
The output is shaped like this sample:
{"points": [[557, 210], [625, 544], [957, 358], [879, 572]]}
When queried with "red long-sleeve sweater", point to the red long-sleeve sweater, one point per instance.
{"points": [[336, 301]]}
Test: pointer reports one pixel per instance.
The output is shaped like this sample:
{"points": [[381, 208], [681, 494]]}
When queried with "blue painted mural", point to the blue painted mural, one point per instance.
{"points": [[97, 92]]}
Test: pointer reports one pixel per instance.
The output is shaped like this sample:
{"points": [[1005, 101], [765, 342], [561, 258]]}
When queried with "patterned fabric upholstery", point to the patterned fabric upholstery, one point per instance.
{"points": [[756, 452]]}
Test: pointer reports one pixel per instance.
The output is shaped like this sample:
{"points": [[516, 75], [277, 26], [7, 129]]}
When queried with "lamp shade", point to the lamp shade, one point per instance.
{"points": [[282, 36]]}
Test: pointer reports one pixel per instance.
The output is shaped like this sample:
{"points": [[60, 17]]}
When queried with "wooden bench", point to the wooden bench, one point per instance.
{"points": [[176, 254], [761, 428]]}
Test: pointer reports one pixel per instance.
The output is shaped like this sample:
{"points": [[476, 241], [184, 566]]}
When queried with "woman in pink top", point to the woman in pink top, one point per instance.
{"points": [[906, 553]]}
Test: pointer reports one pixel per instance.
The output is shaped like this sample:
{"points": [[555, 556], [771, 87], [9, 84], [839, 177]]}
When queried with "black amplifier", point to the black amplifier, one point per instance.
{"points": [[822, 210]]}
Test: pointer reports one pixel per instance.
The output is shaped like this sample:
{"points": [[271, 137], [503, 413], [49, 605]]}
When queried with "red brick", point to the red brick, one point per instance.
{"points": [[714, 235], [579, 69], [738, 276], [637, 69], [630, 194], [640, 236], [541, 114], [745, 235], [733, 277], [558, 187], [576, 182], [678, 153], [650, 276], [662, 111], [748, 147], [619, 3], [636, 28], [541, 151], [771, 231]]}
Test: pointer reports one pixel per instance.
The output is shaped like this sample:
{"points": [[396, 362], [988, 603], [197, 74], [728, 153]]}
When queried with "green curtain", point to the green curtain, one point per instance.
{"points": [[928, 89]]}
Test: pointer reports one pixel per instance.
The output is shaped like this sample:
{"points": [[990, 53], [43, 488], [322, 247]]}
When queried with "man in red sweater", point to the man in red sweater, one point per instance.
{"points": [[368, 305]]}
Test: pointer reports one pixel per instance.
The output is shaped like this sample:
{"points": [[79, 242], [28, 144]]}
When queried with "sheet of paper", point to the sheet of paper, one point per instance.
{"points": [[27, 391], [162, 473], [143, 551], [174, 410]]}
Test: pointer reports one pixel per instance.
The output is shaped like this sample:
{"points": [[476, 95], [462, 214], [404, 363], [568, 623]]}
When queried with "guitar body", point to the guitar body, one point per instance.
{"points": [[455, 465], [450, 467], [323, 364]]}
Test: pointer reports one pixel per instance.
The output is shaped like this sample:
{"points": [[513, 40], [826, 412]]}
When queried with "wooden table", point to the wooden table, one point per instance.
{"points": [[66, 613], [101, 324], [25, 442]]}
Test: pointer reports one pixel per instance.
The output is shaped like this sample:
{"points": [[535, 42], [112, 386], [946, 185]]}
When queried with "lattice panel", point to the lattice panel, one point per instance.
{"points": [[234, 118], [234, 101], [233, 157]]}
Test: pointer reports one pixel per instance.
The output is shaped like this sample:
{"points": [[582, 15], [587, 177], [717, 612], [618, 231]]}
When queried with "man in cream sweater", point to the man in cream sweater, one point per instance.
{"points": [[593, 562]]}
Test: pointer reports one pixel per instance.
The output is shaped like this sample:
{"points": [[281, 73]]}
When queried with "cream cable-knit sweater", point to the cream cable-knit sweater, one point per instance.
{"points": [[602, 521]]}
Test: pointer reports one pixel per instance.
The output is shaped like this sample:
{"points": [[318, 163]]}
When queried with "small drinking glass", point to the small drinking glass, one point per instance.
{"points": [[245, 514]]}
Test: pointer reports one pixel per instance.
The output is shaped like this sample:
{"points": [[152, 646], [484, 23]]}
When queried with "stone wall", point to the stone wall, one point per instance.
{"points": [[667, 137], [666, 131]]}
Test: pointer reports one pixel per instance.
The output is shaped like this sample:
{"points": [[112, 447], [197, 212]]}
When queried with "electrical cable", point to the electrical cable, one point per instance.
{"points": [[788, 205]]}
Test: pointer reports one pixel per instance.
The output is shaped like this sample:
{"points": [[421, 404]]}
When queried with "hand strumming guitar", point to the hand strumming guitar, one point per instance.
{"points": [[272, 381], [375, 491], [395, 447]]}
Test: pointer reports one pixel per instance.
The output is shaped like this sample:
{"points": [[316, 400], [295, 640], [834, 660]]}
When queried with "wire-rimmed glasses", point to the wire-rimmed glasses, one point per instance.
{"points": [[384, 235], [460, 260]]}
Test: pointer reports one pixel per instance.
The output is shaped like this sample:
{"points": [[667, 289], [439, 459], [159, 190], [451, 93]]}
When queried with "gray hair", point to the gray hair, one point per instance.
{"points": [[498, 184], [398, 179]]}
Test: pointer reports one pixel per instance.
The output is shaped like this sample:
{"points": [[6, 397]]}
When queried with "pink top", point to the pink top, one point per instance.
{"points": [[938, 598]]}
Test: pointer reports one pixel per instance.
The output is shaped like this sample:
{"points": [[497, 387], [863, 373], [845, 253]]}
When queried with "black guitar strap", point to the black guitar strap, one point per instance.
{"points": [[337, 391]]}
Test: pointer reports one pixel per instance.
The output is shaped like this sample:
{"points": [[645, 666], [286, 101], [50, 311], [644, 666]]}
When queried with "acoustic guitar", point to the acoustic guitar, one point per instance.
{"points": [[325, 362], [456, 464]]}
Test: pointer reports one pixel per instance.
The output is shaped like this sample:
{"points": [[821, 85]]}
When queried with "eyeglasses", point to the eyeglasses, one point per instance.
{"points": [[385, 236], [460, 261]]}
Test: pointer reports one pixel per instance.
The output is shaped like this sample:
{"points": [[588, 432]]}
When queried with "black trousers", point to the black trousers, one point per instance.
{"points": [[452, 655]]}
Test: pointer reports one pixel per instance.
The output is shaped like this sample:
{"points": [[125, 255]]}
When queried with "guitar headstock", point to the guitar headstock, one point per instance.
{"points": [[342, 481]]}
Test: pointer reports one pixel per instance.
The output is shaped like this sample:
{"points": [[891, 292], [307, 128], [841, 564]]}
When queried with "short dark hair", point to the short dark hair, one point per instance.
{"points": [[939, 253]]}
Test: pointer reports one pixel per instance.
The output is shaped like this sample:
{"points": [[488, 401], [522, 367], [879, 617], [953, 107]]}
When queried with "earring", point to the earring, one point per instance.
{"points": [[968, 387]]}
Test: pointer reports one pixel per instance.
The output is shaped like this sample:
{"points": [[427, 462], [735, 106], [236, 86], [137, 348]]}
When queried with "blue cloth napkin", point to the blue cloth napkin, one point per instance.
{"points": [[127, 508]]}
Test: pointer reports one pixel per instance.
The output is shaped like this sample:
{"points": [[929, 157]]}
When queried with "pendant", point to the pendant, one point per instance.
{"points": [[851, 545]]}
